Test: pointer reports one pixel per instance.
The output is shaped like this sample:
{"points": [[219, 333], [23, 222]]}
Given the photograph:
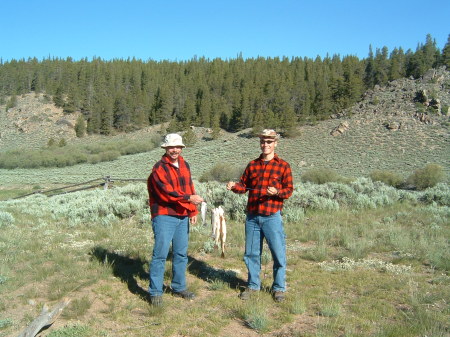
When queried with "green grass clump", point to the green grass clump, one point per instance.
{"points": [[78, 308], [5, 322], [77, 330], [256, 316]]}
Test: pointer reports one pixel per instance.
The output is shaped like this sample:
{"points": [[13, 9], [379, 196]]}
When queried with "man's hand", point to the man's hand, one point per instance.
{"points": [[193, 220], [230, 185], [196, 199], [272, 191]]}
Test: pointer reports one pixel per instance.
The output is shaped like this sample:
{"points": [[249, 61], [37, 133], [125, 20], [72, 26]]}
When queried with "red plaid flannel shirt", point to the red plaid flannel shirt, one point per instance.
{"points": [[257, 177], [169, 188]]}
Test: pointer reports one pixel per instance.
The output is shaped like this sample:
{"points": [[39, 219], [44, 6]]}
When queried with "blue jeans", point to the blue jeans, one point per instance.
{"points": [[169, 229], [258, 227]]}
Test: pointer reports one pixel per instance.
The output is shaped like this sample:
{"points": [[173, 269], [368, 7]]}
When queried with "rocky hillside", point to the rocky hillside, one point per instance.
{"points": [[32, 122], [404, 102]]}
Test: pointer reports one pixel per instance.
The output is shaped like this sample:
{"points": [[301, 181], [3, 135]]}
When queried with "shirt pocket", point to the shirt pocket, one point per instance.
{"points": [[275, 181], [254, 180]]}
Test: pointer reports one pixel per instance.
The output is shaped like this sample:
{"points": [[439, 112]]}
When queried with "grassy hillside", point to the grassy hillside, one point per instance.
{"points": [[366, 145]]}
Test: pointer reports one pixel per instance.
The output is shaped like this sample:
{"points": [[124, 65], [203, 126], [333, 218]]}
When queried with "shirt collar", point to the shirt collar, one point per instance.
{"points": [[275, 157]]}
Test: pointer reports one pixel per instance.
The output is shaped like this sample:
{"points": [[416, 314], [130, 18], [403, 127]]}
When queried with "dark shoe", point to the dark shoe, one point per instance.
{"points": [[278, 296], [247, 293], [187, 295], [156, 301]]}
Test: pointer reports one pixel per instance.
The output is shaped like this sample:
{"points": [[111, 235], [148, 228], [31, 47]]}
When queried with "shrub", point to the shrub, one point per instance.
{"points": [[429, 176], [6, 219], [51, 142], [80, 126], [439, 194], [387, 177], [321, 176], [12, 103], [62, 142], [222, 172]]}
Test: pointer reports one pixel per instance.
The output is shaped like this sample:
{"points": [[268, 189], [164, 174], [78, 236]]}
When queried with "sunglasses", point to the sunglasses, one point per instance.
{"points": [[263, 141]]}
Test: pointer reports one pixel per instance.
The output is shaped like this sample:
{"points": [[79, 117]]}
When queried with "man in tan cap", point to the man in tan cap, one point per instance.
{"points": [[173, 206], [268, 179]]}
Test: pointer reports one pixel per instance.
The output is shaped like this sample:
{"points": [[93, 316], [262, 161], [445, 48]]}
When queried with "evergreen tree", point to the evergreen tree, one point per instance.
{"points": [[36, 82], [258, 122], [189, 137], [106, 118], [72, 103], [215, 127], [289, 122], [431, 54], [445, 59], [369, 73], [381, 66], [121, 114], [397, 64], [80, 126], [58, 97], [174, 126]]}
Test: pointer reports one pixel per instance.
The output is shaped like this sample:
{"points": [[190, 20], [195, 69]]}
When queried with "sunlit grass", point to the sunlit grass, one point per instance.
{"points": [[359, 271]]}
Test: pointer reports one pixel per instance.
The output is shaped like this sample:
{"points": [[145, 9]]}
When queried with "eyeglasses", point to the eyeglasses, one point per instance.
{"points": [[263, 141]]}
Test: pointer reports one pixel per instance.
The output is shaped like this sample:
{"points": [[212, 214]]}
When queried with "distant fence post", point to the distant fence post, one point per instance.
{"points": [[107, 181]]}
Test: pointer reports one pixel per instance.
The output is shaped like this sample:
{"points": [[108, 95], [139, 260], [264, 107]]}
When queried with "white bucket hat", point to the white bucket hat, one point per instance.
{"points": [[172, 139]]}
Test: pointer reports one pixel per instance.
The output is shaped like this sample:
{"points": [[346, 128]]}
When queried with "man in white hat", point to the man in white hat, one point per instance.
{"points": [[268, 180], [173, 201]]}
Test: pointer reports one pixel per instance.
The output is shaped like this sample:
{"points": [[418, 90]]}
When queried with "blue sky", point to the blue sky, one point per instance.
{"points": [[179, 30]]}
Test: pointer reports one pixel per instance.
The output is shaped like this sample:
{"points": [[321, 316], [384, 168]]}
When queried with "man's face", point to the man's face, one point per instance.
{"points": [[173, 153], [267, 145]]}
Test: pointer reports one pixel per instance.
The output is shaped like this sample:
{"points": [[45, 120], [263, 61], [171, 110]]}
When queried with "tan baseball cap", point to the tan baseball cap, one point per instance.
{"points": [[269, 133]]}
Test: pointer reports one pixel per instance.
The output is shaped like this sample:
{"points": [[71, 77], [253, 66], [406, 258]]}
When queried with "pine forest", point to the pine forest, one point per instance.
{"points": [[126, 95]]}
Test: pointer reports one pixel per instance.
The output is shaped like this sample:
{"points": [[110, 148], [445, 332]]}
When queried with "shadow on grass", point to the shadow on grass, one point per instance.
{"points": [[130, 269], [210, 274], [127, 269]]}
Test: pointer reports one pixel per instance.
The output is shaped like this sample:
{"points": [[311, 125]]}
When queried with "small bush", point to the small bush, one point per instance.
{"points": [[6, 219], [51, 142], [62, 142], [80, 127], [387, 177], [321, 176], [222, 172], [426, 177], [12, 103]]}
